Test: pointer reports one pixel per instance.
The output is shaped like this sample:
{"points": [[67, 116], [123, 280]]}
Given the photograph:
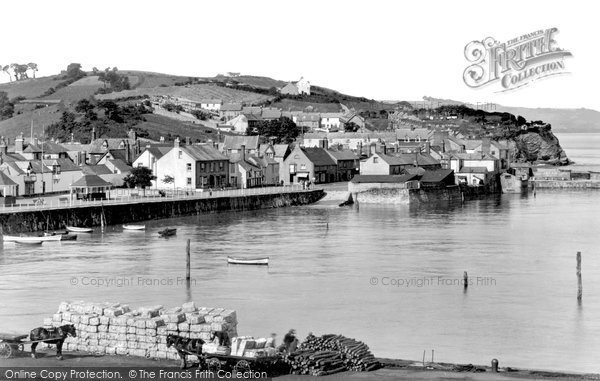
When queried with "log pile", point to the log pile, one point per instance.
{"points": [[329, 354]]}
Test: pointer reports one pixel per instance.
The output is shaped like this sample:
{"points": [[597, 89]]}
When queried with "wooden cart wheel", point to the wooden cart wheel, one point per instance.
{"points": [[242, 366], [5, 350], [213, 364]]}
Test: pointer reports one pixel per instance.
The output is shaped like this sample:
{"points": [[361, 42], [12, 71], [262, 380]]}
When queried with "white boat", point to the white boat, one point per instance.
{"points": [[134, 227], [79, 230], [14, 238], [263, 261]]}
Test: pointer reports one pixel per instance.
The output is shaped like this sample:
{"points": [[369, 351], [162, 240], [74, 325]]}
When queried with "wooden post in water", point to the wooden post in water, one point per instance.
{"points": [[466, 280], [423, 358], [187, 262], [579, 283]]}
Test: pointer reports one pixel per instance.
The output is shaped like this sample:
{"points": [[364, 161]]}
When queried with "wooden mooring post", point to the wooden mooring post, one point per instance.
{"points": [[465, 280], [187, 261], [579, 283]]}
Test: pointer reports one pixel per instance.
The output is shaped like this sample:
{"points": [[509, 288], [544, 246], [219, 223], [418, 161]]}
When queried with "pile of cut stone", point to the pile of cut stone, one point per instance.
{"points": [[115, 328]]}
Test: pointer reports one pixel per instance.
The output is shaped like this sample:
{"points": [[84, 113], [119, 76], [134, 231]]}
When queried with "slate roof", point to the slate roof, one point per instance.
{"points": [[52, 148], [271, 114], [88, 181], [5, 180], [66, 165], [252, 110], [236, 142], [231, 107], [280, 149], [121, 165], [158, 152], [318, 156], [204, 153], [342, 155], [472, 156], [96, 170], [383, 178], [436, 176]]}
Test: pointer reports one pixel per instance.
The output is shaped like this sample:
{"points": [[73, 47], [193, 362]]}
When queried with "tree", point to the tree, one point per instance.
{"points": [[19, 70], [351, 127], [7, 108], [33, 67], [139, 177], [74, 71], [6, 69], [168, 179], [282, 130]]}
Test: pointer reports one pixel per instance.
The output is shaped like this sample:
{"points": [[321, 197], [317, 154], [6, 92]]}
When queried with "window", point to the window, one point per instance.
{"points": [[189, 181], [292, 168], [180, 154], [202, 166], [212, 167], [188, 167], [221, 165], [302, 166], [375, 160]]}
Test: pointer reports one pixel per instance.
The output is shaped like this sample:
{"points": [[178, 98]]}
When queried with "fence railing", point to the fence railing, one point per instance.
{"points": [[65, 202]]}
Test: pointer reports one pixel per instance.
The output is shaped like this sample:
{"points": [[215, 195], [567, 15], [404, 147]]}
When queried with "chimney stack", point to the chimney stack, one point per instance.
{"points": [[132, 135], [427, 148], [188, 141], [176, 143], [384, 148], [19, 144], [243, 154], [93, 133], [162, 139]]}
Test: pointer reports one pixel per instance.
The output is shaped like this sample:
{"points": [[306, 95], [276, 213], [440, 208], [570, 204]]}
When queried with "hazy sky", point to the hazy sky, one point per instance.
{"points": [[398, 50]]}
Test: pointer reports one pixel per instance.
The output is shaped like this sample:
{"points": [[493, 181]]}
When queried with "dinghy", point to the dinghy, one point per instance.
{"points": [[167, 232], [264, 261], [79, 230], [134, 227], [13, 238]]}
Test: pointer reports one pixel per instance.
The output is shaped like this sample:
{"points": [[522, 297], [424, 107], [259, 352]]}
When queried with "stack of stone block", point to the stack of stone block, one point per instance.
{"points": [[116, 329]]}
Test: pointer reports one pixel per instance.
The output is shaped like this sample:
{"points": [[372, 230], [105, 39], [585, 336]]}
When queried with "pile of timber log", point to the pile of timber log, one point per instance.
{"points": [[329, 354]]}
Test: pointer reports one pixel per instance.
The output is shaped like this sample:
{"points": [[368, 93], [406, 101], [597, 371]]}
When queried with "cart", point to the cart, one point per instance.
{"points": [[273, 365], [11, 344]]}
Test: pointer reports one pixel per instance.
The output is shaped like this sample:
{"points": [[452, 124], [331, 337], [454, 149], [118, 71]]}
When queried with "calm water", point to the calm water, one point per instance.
{"points": [[324, 260]]}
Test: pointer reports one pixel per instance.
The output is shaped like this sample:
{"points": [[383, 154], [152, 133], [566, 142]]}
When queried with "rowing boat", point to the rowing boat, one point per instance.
{"points": [[167, 232], [134, 227], [28, 242], [13, 238], [264, 261], [79, 230]]}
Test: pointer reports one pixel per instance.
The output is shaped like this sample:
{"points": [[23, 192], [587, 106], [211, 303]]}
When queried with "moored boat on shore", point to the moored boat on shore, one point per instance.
{"points": [[13, 238], [79, 230], [28, 242], [167, 232], [134, 227], [262, 261]]}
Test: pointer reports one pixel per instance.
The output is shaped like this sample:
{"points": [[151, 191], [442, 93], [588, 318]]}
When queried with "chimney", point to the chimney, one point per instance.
{"points": [[93, 133], [360, 149], [132, 135], [243, 154], [427, 148], [19, 144], [176, 143], [188, 141], [36, 141], [162, 139], [485, 145], [384, 148], [3, 146]]}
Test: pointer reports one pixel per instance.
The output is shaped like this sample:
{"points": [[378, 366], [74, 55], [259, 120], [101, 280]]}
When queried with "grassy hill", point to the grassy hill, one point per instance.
{"points": [[30, 88], [193, 93], [22, 123], [158, 125]]}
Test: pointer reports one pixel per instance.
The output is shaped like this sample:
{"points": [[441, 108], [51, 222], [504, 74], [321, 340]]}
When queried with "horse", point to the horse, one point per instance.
{"points": [[55, 335], [185, 346], [223, 338]]}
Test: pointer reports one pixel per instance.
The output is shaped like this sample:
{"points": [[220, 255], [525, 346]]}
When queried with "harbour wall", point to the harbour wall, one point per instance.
{"points": [[398, 194], [114, 214], [565, 184]]}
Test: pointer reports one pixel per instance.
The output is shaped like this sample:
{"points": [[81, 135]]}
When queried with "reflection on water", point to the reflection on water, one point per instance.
{"points": [[323, 262]]}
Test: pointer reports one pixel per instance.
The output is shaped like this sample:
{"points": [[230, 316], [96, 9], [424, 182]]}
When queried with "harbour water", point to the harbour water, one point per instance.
{"points": [[388, 275]]}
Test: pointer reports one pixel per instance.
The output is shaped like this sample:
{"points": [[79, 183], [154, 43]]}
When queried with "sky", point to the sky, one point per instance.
{"points": [[385, 50]]}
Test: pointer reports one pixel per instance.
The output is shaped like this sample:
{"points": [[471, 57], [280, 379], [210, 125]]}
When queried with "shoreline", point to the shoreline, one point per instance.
{"points": [[392, 369]]}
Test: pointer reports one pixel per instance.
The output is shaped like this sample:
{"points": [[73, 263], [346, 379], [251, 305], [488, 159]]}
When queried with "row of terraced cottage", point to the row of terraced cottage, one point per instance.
{"points": [[243, 162]]}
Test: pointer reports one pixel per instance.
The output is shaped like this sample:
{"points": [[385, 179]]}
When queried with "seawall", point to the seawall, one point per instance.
{"points": [[397, 194], [566, 184], [114, 214]]}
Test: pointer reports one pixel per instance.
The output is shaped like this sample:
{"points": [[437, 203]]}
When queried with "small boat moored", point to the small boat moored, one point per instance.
{"points": [[79, 230], [167, 232], [21, 239], [263, 261], [134, 227], [28, 242]]}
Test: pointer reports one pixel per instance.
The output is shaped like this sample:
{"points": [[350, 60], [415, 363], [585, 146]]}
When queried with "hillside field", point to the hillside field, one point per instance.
{"points": [[158, 125]]}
